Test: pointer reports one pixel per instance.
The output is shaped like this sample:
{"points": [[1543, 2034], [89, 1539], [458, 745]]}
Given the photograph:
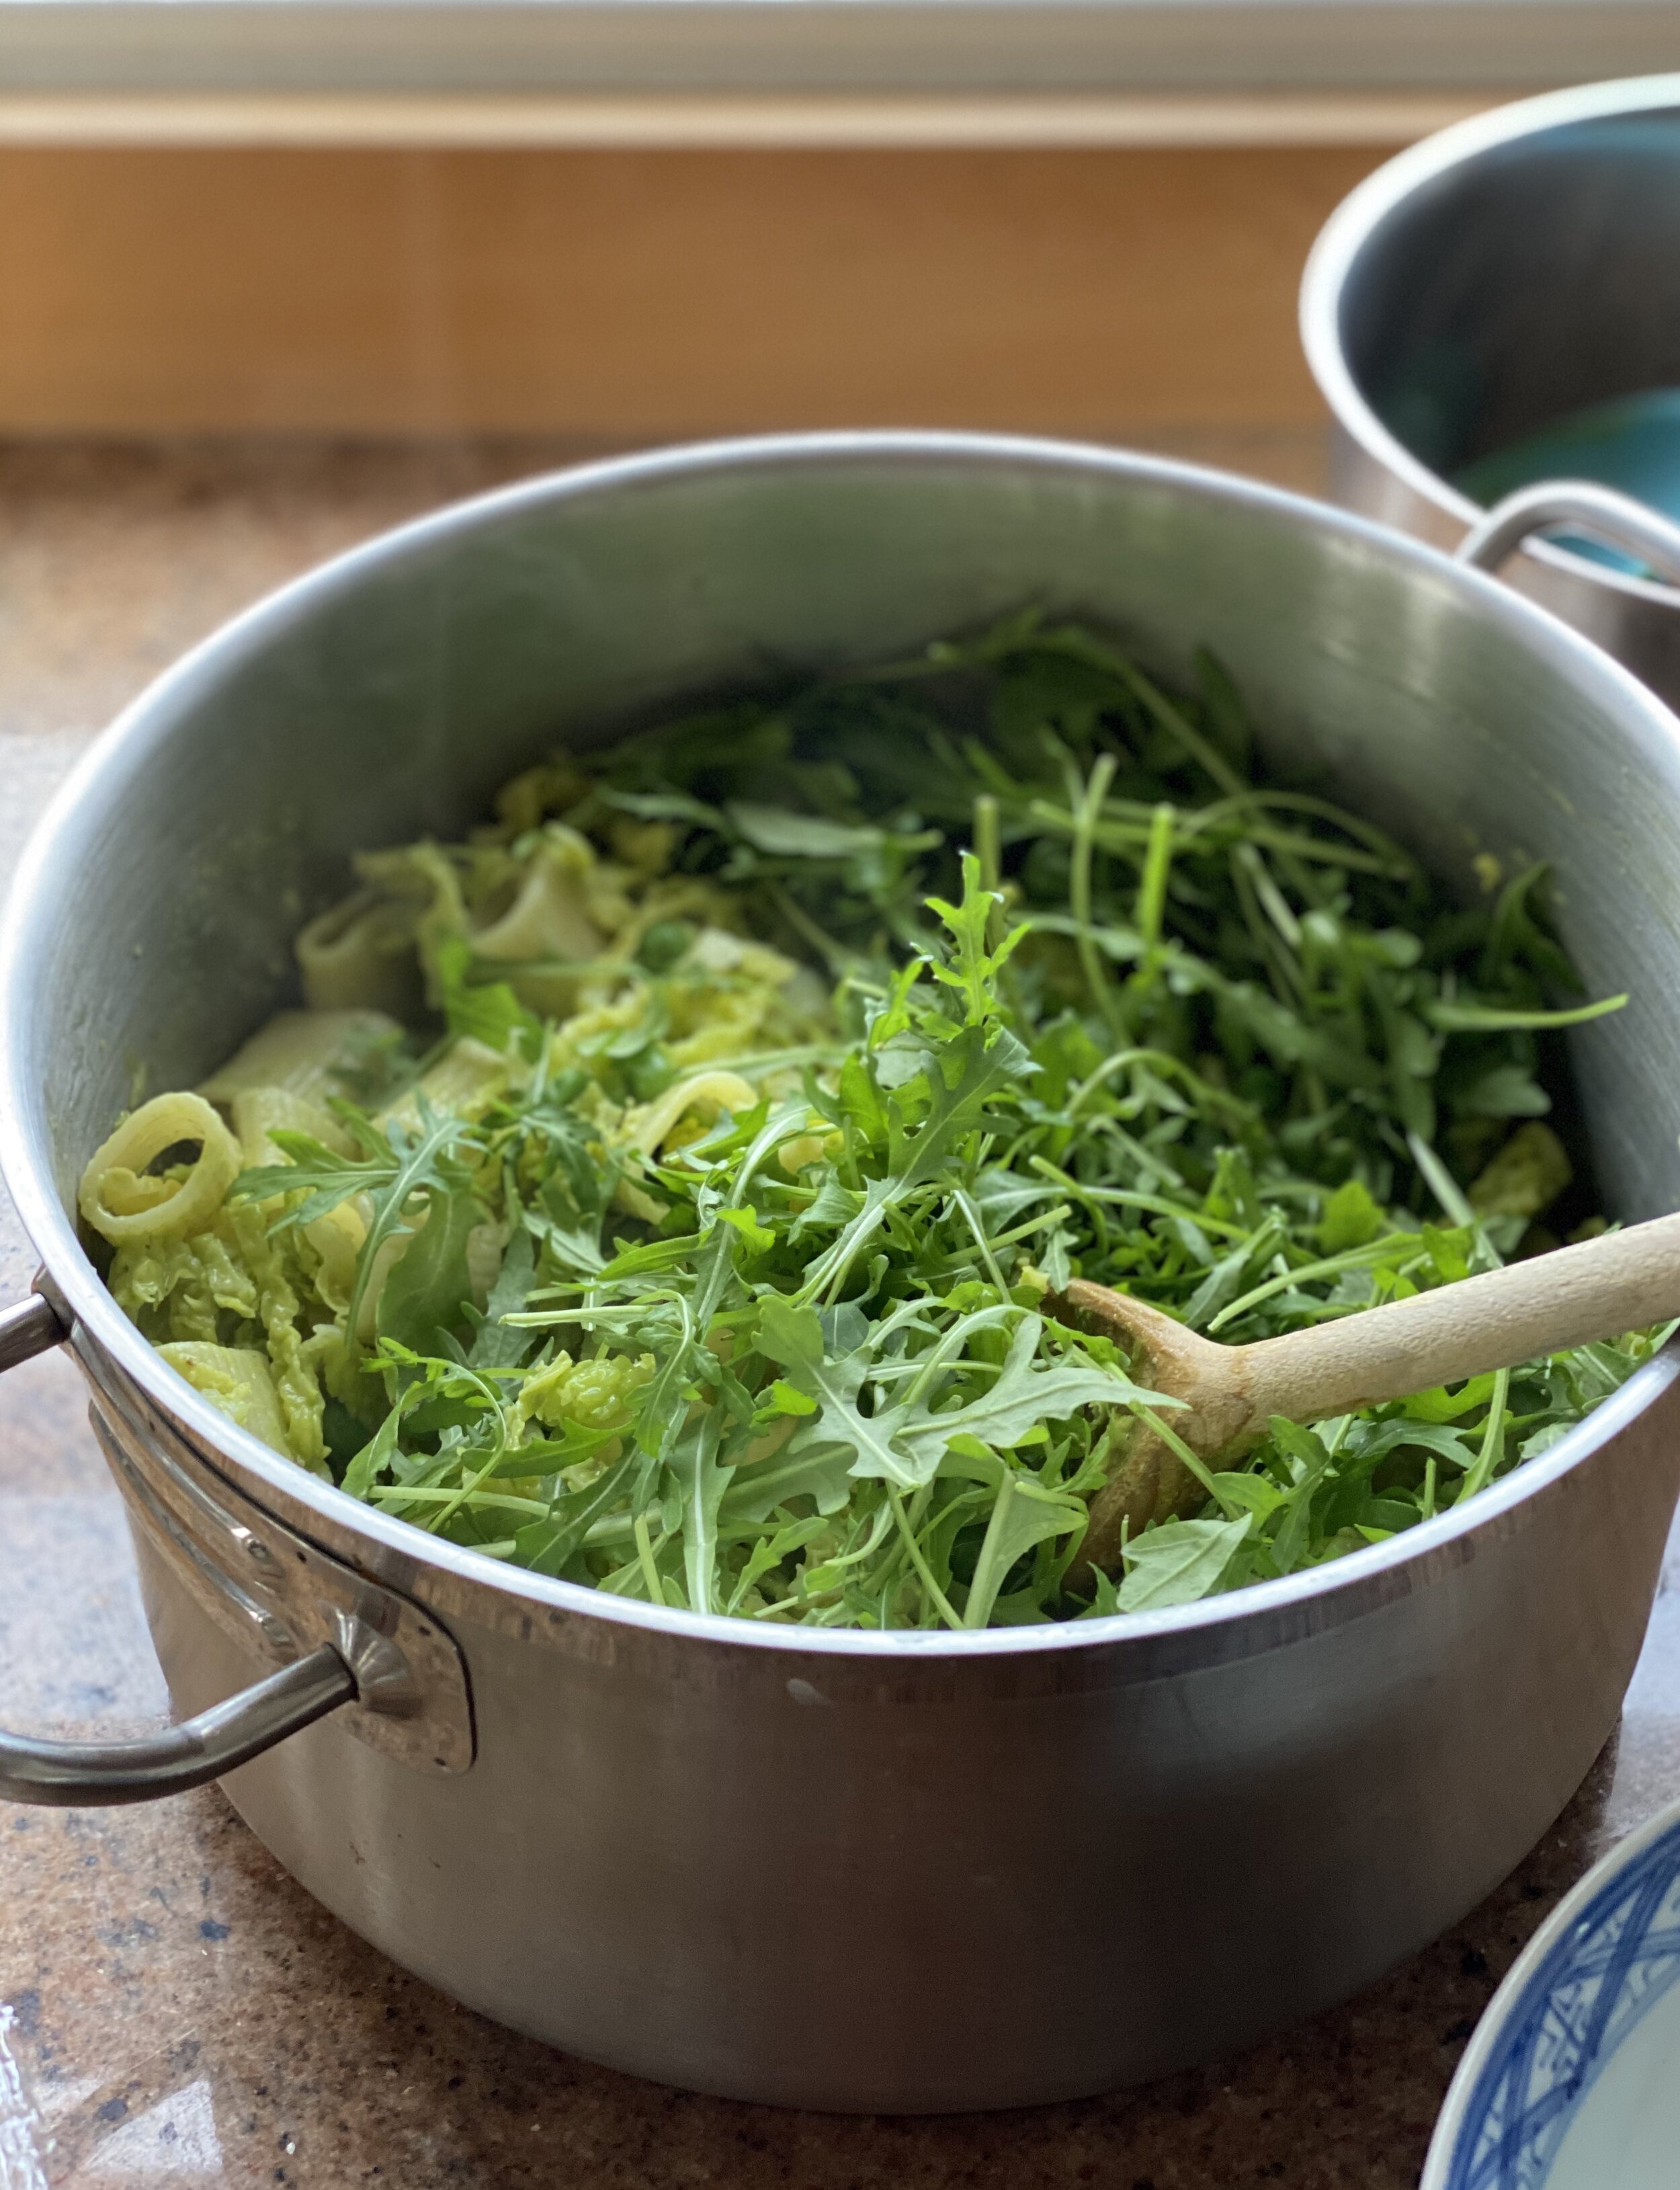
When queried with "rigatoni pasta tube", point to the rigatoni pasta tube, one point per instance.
{"points": [[240, 1382], [121, 1199]]}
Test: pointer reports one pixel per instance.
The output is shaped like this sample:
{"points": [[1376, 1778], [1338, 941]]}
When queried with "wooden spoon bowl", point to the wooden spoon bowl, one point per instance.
{"points": [[1598, 1289]]}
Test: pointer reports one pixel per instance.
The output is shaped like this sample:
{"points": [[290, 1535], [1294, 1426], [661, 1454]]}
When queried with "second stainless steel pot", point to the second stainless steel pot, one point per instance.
{"points": [[844, 1869], [1488, 283]]}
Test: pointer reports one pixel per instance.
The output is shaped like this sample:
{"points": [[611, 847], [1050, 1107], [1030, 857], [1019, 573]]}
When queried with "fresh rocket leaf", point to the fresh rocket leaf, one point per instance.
{"points": [[496, 1344], [488, 1012], [323, 1176], [405, 1165], [374, 1457], [822, 1041], [702, 1484], [819, 1471], [1352, 1218], [546, 1545], [1180, 1563], [427, 1287], [1026, 1393], [1025, 1515], [790, 1334], [800, 836]]}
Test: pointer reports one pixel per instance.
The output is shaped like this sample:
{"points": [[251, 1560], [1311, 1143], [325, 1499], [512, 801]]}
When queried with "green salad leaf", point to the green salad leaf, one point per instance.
{"points": [[792, 1058]]}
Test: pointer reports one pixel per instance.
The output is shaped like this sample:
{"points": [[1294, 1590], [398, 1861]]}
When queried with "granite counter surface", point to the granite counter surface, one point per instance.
{"points": [[174, 2012]]}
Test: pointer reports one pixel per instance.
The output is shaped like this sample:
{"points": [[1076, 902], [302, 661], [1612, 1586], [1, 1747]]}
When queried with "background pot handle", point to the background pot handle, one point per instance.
{"points": [[1617, 521]]}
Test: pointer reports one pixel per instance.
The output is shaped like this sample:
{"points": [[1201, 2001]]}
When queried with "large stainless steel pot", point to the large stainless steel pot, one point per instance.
{"points": [[1486, 283], [887, 1871]]}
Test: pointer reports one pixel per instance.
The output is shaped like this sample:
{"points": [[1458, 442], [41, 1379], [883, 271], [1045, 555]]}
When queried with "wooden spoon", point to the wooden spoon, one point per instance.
{"points": [[1620, 1282]]}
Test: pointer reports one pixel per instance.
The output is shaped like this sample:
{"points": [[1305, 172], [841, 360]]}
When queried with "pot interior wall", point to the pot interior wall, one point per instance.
{"points": [[1522, 285], [390, 696]]}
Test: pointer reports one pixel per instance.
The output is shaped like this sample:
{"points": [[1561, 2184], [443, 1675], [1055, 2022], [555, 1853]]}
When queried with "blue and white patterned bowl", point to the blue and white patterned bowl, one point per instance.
{"points": [[1572, 2080]]}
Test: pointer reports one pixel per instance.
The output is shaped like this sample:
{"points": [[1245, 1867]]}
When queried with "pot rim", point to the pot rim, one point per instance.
{"points": [[1320, 1596], [1342, 241]]}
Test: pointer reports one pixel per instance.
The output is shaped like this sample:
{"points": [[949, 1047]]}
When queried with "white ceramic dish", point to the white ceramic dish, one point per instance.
{"points": [[1572, 2080]]}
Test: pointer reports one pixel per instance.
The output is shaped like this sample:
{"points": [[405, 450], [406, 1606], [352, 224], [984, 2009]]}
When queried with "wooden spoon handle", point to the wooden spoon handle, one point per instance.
{"points": [[1598, 1289]]}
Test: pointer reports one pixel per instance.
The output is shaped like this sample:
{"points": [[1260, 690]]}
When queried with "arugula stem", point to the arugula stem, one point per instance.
{"points": [[1151, 900], [1193, 1461], [1161, 1061], [1090, 958], [644, 1552], [1329, 1265], [970, 1216], [988, 851], [1439, 1181], [1493, 1439], [1123, 1197], [923, 1572]]}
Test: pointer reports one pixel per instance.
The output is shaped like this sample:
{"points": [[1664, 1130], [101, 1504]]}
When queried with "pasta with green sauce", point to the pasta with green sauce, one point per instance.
{"points": [[671, 1187]]}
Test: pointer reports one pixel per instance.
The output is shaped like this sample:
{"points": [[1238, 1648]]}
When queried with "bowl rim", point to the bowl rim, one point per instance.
{"points": [[1342, 241], [1522, 1992], [1270, 1611]]}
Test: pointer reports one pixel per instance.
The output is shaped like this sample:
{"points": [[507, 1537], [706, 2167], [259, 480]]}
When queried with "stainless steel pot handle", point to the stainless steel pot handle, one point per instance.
{"points": [[64, 1773], [1615, 519], [230, 1733], [28, 1329]]}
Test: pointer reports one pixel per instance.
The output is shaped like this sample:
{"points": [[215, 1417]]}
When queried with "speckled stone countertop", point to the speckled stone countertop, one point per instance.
{"points": [[175, 2014]]}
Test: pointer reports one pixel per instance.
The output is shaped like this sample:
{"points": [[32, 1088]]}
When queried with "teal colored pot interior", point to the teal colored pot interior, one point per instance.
{"points": [[1631, 442]]}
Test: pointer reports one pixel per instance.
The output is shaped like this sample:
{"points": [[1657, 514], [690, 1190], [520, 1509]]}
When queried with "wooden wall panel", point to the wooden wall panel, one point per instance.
{"points": [[624, 293]]}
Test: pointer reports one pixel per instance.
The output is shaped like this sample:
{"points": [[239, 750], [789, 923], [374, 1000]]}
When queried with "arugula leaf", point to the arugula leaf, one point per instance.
{"points": [[789, 1355], [426, 1289], [419, 1164], [1026, 1392], [1352, 1218], [1024, 1514], [800, 836], [547, 1545], [1180, 1563], [496, 1344], [324, 1175], [488, 1012], [376, 1455], [400, 1167], [702, 1484], [819, 1471]]}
